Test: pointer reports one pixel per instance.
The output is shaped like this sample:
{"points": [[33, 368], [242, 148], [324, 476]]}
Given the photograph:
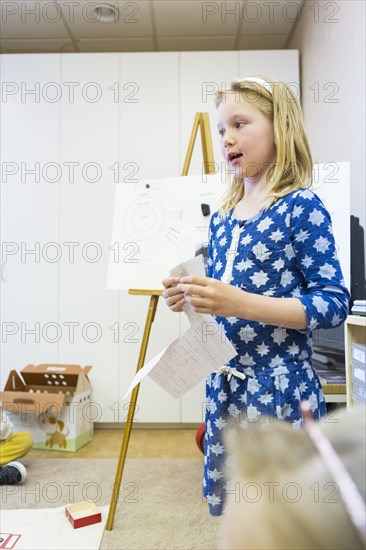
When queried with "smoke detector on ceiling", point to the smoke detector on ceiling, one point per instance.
{"points": [[106, 13]]}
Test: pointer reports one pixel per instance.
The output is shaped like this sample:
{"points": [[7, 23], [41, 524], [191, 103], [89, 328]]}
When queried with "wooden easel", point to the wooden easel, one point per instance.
{"points": [[201, 120]]}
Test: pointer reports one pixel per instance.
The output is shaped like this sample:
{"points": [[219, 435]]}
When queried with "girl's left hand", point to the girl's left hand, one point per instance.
{"points": [[211, 296]]}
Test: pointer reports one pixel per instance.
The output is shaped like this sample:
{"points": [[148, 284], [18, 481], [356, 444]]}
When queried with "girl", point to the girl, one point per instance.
{"points": [[272, 270]]}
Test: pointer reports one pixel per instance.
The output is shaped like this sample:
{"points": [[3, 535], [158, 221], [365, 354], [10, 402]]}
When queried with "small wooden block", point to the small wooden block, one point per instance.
{"points": [[83, 513]]}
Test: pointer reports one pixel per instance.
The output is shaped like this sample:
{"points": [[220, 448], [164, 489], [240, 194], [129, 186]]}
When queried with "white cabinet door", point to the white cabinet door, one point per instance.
{"points": [[29, 210], [149, 149], [89, 145]]}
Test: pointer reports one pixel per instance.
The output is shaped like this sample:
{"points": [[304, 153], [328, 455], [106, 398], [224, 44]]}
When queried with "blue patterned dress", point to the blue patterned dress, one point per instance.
{"points": [[286, 251]]}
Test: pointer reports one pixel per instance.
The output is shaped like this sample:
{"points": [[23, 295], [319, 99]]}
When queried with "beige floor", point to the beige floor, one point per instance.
{"points": [[150, 443]]}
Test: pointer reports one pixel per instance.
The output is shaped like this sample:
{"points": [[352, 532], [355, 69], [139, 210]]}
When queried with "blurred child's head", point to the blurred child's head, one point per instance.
{"points": [[285, 497], [273, 139]]}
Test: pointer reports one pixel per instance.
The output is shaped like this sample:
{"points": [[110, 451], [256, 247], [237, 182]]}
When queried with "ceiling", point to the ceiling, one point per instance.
{"points": [[146, 25]]}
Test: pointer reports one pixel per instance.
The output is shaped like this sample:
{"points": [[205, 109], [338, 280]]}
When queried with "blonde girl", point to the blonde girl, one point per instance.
{"points": [[272, 275]]}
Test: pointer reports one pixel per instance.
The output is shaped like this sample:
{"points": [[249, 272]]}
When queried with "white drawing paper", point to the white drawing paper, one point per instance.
{"points": [[30, 524], [159, 223]]}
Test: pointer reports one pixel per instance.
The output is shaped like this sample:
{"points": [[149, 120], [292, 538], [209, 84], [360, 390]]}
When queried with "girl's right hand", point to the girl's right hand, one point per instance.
{"points": [[174, 298]]}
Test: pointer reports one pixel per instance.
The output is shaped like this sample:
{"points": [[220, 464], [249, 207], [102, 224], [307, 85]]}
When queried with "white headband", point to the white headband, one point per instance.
{"points": [[260, 81]]}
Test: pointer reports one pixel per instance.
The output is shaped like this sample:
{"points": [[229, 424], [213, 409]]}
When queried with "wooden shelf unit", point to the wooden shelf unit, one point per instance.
{"points": [[355, 333], [334, 393]]}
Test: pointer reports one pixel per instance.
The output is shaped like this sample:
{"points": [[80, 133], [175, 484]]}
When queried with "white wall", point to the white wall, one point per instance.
{"points": [[331, 39]]}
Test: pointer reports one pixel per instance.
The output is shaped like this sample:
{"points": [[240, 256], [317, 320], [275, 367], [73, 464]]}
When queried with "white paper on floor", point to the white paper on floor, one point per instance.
{"points": [[49, 529]]}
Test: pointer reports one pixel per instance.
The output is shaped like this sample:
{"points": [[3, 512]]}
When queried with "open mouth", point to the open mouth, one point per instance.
{"points": [[234, 156]]}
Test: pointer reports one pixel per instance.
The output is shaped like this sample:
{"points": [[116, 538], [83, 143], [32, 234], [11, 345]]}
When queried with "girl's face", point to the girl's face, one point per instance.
{"points": [[247, 137]]}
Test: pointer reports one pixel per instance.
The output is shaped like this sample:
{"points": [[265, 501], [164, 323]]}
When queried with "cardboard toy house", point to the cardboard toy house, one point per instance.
{"points": [[53, 403]]}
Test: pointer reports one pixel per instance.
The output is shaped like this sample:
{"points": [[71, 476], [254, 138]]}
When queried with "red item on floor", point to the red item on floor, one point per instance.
{"points": [[200, 437], [82, 513]]}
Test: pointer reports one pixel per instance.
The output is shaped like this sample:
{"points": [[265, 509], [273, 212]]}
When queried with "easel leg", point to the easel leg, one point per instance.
{"points": [[131, 411], [201, 119]]}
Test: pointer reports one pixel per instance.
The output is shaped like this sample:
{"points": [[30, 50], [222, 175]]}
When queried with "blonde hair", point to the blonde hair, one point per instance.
{"points": [[293, 166], [300, 505]]}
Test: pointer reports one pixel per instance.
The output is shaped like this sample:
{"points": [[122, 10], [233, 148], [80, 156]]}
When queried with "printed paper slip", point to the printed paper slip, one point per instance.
{"points": [[144, 372], [192, 357]]}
